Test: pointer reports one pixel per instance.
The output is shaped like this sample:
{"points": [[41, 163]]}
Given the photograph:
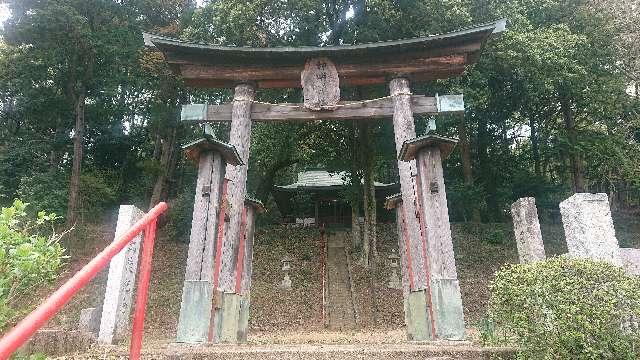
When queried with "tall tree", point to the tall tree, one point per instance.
{"points": [[75, 44]]}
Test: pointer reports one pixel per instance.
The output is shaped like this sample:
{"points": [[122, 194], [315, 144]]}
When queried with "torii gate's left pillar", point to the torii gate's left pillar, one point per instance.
{"points": [[212, 157]]}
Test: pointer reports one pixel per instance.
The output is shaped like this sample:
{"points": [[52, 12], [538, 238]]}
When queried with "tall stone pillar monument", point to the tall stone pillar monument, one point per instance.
{"points": [[445, 302]]}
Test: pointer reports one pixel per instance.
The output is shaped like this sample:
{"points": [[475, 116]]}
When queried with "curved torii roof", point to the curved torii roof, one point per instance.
{"points": [[424, 58]]}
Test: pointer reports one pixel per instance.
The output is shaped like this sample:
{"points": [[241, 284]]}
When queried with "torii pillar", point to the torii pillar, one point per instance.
{"points": [[445, 301], [417, 299], [227, 304], [208, 213], [232, 310]]}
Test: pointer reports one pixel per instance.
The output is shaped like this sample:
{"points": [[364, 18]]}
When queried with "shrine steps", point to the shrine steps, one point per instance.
{"points": [[312, 352]]}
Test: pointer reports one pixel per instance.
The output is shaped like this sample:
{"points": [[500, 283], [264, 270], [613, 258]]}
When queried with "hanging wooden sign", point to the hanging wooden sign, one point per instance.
{"points": [[320, 84]]}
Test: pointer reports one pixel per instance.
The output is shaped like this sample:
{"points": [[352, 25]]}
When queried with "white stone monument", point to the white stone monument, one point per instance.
{"points": [[394, 279], [123, 268], [286, 267], [588, 227], [527, 230]]}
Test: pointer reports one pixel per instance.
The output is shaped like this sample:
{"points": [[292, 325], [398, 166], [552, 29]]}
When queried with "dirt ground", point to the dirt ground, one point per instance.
{"points": [[295, 316]]}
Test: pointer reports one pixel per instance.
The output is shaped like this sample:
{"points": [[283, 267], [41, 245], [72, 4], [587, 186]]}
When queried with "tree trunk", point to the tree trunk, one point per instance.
{"points": [[467, 170], [485, 168], [369, 193], [575, 159], [535, 147], [167, 156], [356, 232], [73, 205]]}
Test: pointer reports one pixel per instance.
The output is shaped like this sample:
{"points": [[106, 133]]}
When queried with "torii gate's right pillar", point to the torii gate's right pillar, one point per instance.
{"points": [[433, 302]]}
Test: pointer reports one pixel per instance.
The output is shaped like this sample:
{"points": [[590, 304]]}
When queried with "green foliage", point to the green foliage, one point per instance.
{"points": [[555, 55], [30, 256], [49, 191], [497, 237], [46, 190], [464, 198], [565, 308], [180, 215], [37, 356]]}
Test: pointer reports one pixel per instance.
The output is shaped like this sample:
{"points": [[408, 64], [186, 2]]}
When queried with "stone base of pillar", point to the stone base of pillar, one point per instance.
{"points": [[230, 318], [447, 304], [195, 311], [243, 327], [416, 316]]}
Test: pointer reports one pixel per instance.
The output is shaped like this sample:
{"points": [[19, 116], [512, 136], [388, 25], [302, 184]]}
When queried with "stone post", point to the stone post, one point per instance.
{"points": [[404, 129], [527, 230], [197, 293], [116, 309], [445, 302], [588, 227], [226, 300]]}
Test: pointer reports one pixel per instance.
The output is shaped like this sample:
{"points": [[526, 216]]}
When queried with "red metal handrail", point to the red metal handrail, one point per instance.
{"points": [[17, 336]]}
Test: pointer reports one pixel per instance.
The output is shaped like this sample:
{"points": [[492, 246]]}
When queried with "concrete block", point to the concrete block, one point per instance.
{"points": [[227, 319], [631, 260], [195, 311], [416, 316], [447, 304], [89, 322]]}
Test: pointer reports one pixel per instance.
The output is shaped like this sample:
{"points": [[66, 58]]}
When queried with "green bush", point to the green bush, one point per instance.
{"points": [[47, 190], [29, 256], [565, 308]]}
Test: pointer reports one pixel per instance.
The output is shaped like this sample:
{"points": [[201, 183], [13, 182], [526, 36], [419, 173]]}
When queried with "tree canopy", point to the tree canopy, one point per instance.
{"points": [[90, 118]]}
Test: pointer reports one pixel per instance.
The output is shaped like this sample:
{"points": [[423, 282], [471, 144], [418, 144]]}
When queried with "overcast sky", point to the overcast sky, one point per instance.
{"points": [[4, 13]]}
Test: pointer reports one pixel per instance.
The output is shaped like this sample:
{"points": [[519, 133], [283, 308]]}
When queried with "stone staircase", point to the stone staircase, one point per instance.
{"points": [[416, 351], [340, 306]]}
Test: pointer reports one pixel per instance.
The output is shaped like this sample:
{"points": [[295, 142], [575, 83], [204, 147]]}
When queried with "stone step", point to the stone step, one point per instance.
{"points": [[312, 352]]}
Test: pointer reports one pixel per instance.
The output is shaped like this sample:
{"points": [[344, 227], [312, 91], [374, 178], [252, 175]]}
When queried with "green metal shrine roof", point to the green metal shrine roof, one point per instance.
{"points": [[321, 179]]}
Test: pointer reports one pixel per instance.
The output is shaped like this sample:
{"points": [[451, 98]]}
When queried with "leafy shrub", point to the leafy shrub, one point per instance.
{"points": [[496, 237], [565, 308], [28, 258], [98, 192], [46, 190]]}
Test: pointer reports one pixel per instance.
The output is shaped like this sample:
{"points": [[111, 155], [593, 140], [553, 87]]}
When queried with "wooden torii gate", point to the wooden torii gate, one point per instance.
{"points": [[216, 295]]}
